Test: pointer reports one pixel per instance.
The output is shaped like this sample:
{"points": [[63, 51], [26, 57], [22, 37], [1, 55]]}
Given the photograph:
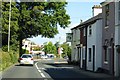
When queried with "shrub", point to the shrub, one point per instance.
{"points": [[7, 59]]}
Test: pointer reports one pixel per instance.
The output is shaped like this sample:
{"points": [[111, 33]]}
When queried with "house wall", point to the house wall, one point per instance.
{"points": [[98, 47], [117, 40], [75, 41], [91, 40], [95, 39], [108, 33], [26, 45], [83, 42]]}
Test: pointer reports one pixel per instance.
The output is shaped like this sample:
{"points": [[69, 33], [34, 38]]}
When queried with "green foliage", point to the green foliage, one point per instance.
{"points": [[7, 59], [30, 19], [50, 48], [37, 48], [42, 18], [5, 48], [24, 51], [5, 22], [66, 50]]}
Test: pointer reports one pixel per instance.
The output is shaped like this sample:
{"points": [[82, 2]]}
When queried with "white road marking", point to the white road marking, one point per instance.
{"points": [[66, 67], [42, 75], [61, 62], [39, 70], [36, 65]]}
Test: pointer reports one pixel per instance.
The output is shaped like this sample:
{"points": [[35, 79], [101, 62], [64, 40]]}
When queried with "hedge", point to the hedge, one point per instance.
{"points": [[7, 59]]}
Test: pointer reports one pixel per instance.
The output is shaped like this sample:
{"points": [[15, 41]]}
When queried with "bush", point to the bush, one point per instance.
{"points": [[7, 59], [24, 51]]}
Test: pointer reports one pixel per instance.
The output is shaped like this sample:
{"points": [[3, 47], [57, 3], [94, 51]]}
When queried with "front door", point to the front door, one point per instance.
{"points": [[93, 57]]}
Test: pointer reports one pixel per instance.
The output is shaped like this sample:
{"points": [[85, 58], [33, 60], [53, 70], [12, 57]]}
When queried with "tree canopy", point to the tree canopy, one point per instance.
{"points": [[30, 19], [66, 50], [50, 48]]}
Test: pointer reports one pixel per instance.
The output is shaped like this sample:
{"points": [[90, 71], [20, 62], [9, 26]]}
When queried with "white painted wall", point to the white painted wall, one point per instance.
{"points": [[98, 55], [117, 41], [75, 41], [28, 43], [95, 39], [74, 45]]}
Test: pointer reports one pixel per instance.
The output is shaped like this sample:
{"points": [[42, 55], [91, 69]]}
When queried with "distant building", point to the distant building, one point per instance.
{"points": [[26, 44]]}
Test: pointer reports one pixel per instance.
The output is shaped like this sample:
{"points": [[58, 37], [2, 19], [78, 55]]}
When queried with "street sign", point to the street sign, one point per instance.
{"points": [[68, 37]]}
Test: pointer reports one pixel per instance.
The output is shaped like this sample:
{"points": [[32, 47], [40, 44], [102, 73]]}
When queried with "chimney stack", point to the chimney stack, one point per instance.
{"points": [[96, 9]]}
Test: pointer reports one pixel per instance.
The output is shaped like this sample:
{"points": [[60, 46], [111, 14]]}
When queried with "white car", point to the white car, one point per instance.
{"points": [[26, 59], [44, 56]]}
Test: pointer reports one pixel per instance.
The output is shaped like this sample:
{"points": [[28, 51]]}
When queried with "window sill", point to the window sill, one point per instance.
{"points": [[106, 27], [105, 62]]}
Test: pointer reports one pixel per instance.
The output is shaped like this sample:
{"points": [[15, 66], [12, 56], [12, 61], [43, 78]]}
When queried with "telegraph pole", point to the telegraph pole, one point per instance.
{"points": [[9, 27]]}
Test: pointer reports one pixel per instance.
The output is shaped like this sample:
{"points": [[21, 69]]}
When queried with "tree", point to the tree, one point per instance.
{"points": [[33, 20], [14, 24], [50, 48], [66, 50], [36, 18]]}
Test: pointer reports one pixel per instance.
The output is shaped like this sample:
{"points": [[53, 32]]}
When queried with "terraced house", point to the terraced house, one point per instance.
{"points": [[99, 46], [82, 43]]}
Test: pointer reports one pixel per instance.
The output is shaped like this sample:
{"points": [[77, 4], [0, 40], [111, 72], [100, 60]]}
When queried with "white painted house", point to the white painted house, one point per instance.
{"points": [[26, 44], [94, 43], [74, 43]]}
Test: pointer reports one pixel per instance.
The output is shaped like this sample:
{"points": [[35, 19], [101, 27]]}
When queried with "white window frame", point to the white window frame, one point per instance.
{"points": [[90, 29]]}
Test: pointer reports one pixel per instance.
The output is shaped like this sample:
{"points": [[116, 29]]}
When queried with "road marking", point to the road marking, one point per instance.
{"points": [[66, 67], [39, 70], [42, 75], [61, 62], [36, 65]]}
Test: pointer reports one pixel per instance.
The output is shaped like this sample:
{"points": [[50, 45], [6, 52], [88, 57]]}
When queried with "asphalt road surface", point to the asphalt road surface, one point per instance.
{"points": [[46, 70]]}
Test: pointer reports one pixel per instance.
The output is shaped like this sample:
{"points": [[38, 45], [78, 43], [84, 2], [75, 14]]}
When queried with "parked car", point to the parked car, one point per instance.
{"points": [[26, 59], [44, 56], [50, 55]]}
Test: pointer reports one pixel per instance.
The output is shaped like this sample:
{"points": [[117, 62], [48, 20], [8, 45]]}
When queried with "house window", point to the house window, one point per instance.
{"points": [[119, 11], [119, 5], [105, 55], [106, 50], [25, 46], [90, 30], [84, 32], [107, 15], [89, 55]]}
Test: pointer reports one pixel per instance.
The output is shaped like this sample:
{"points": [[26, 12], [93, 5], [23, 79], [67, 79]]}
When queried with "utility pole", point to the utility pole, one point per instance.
{"points": [[9, 27]]}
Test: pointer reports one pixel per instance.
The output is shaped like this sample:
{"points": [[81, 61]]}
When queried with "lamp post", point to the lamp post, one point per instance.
{"points": [[9, 27]]}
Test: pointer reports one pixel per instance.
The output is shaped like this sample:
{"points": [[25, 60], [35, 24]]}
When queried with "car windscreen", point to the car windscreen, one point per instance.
{"points": [[26, 56]]}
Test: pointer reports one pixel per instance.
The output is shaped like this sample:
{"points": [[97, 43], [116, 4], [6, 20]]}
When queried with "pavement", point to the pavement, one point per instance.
{"points": [[94, 75], [99, 76], [0, 75]]}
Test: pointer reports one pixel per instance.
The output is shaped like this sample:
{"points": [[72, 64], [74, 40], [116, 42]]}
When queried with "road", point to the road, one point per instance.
{"points": [[46, 70]]}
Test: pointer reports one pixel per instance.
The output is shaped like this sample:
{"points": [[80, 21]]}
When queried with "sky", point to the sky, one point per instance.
{"points": [[77, 11]]}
